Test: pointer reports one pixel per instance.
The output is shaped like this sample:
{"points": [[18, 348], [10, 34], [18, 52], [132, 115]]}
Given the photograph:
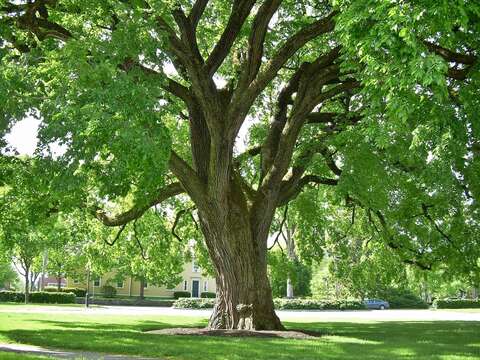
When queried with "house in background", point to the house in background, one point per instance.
{"points": [[50, 281], [192, 281]]}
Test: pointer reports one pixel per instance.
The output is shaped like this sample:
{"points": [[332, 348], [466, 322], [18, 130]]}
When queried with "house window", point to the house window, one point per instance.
{"points": [[185, 285], [96, 282], [120, 284], [76, 281], [195, 267], [205, 286]]}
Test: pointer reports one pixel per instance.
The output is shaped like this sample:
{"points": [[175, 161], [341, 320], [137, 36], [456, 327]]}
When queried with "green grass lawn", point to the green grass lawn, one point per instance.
{"points": [[8, 356], [3, 305], [464, 310], [341, 340]]}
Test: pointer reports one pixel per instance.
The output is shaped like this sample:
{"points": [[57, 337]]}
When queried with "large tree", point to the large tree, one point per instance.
{"points": [[148, 98]]}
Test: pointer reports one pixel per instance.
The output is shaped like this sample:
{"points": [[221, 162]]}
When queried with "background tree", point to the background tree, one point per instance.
{"points": [[8, 275], [145, 252], [283, 271], [378, 99]]}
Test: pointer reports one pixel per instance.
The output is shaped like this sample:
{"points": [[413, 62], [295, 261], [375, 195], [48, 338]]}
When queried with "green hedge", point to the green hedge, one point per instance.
{"points": [[79, 292], [280, 304], [208, 295], [109, 291], [402, 299], [11, 296], [181, 294], [193, 303], [314, 304], [407, 302], [456, 304], [41, 297], [52, 297]]}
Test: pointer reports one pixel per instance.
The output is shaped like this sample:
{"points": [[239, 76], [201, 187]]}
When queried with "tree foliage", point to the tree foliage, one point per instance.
{"points": [[375, 100]]}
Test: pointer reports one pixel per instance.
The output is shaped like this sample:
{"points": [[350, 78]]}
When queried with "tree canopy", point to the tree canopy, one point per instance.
{"points": [[376, 102]]}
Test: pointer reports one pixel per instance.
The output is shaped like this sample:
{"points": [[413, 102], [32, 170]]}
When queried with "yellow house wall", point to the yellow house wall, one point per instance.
{"points": [[131, 287]]}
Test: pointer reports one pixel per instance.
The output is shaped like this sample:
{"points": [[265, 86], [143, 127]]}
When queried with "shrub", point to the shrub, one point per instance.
{"points": [[313, 304], [403, 299], [193, 303], [208, 295], [11, 296], [181, 294], [51, 289], [280, 304], [52, 297], [455, 304], [79, 292], [42, 297], [109, 291]]}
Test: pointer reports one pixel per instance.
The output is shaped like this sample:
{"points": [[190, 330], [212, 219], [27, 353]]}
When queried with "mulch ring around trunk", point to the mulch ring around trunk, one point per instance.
{"points": [[292, 334]]}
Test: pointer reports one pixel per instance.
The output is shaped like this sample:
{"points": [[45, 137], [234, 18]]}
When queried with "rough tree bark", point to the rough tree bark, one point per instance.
{"points": [[244, 297]]}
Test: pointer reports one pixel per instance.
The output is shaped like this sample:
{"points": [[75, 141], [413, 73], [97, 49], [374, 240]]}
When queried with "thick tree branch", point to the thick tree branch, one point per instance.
{"points": [[188, 36], [171, 86], [289, 135], [286, 51], [240, 11], [257, 39], [307, 72], [450, 56], [254, 151], [196, 13], [191, 62], [134, 213], [291, 191], [188, 178]]}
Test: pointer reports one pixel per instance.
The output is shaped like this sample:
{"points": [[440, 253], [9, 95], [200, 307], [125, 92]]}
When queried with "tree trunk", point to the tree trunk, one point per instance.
{"points": [[291, 253], [59, 283], [289, 288], [244, 296], [44, 267], [87, 290], [27, 286], [142, 288]]}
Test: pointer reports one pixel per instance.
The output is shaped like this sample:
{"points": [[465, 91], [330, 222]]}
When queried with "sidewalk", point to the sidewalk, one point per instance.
{"points": [[63, 354]]}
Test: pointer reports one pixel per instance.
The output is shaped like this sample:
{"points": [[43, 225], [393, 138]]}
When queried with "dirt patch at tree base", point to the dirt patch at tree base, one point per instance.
{"points": [[292, 334]]}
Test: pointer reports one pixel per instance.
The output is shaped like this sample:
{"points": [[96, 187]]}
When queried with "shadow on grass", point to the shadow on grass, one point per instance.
{"points": [[383, 340], [139, 326]]}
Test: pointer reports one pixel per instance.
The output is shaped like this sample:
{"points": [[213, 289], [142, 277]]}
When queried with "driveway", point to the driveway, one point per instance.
{"points": [[286, 315]]}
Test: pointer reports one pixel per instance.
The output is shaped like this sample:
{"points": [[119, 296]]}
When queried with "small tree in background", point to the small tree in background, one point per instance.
{"points": [[281, 268]]}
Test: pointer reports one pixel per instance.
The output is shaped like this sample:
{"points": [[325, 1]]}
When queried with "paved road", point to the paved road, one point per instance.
{"points": [[307, 316]]}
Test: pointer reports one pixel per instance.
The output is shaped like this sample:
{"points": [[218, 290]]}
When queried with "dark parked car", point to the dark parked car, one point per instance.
{"points": [[376, 304]]}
